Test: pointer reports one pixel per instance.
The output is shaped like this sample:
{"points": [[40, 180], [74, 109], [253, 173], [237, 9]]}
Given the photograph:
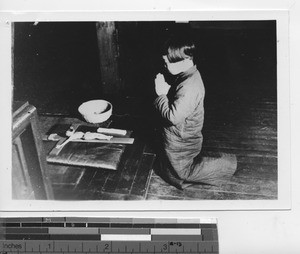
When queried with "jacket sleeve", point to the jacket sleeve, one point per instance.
{"points": [[180, 108]]}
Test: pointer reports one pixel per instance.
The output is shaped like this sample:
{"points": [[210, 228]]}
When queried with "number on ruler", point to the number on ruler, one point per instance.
{"points": [[104, 247], [165, 247]]}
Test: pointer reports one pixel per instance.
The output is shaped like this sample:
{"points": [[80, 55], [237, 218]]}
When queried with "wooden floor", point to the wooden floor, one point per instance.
{"points": [[129, 182], [246, 128]]}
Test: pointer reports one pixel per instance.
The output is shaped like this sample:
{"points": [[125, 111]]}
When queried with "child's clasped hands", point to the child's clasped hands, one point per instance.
{"points": [[161, 86]]}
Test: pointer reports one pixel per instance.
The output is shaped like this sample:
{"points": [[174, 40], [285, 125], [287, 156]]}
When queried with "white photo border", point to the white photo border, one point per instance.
{"points": [[283, 90]]}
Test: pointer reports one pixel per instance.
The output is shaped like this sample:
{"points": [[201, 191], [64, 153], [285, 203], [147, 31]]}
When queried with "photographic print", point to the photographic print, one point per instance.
{"points": [[148, 111]]}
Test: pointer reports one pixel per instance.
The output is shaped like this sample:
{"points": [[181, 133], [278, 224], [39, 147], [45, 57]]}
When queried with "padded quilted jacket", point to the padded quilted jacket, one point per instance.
{"points": [[183, 113]]}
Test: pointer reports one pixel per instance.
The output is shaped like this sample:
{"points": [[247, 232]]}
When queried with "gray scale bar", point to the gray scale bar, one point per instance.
{"points": [[18, 219], [165, 221], [209, 234], [75, 237], [121, 220], [125, 231], [98, 220], [73, 231], [205, 252], [54, 219], [176, 237], [26, 230], [143, 221]]}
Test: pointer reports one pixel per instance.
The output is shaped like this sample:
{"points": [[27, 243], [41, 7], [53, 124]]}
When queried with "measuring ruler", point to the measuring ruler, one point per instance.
{"points": [[108, 235]]}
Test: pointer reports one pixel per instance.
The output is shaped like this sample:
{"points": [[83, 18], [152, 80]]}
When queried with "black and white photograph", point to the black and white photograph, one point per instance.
{"points": [[135, 121], [139, 110]]}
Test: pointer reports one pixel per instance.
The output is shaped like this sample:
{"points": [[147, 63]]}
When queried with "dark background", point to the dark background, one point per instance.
{"points": [[56, 64]]}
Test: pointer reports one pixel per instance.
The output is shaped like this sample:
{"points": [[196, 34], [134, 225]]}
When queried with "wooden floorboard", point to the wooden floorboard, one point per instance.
{"points": [[99, 180], [121, 181], [243, 148], [65, 175], [248, 131], [82, 182], [244, 136], [114, 196], [251, 154], [235, 189], [257, 170], [86, 180], [129, 173], [142, 178]]}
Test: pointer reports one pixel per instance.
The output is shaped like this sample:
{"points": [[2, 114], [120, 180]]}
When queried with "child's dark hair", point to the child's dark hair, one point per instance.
{"points": [[179, 48]]}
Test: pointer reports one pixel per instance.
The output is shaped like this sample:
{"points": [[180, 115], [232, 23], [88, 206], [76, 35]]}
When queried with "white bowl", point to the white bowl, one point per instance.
{"points": [[95, 111]]}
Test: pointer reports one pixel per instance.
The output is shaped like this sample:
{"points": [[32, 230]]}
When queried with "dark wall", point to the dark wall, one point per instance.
{"points": [[56, 64], [234, 58]]}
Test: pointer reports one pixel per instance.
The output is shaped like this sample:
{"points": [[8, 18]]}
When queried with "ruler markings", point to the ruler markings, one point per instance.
{"points": [[104, 235], [46, 246], [121, 247]]}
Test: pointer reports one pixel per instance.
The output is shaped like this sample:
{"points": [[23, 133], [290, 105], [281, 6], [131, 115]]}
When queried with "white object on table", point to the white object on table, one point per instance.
{"points": [[94, 135], [76, 135], [112, 131]]}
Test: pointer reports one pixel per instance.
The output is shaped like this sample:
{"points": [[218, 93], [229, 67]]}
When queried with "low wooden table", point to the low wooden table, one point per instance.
{"points": [[129, 182]]}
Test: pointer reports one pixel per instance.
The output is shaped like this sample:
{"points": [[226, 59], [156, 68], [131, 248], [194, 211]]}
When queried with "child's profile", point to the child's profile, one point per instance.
{"points": [[181, 106]]}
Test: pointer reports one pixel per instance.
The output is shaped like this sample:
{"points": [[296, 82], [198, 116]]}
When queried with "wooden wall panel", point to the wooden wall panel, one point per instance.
{"points": [[108, 56]]}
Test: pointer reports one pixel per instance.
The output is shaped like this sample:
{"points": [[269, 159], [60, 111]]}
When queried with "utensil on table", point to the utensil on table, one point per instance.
{"points": [[94, 135], [75, 135], [112, 131]]}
